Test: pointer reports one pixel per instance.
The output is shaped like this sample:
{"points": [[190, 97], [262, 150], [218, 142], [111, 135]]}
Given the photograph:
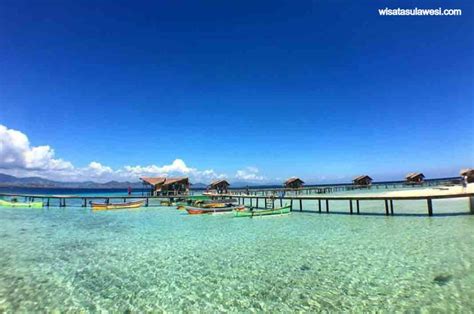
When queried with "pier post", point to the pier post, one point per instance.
{"points": [[250, 202], [471, 204], [358, 207], [391, 207], [146, 202], [301, 205], [350, 207], [291, 204], [386, 208], [430, 206], [319, 205], [47, 202], [327, 206], [256, 205]]}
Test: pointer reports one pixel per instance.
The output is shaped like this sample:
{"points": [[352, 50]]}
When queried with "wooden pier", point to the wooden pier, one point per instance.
{"points": [[326, 189], [60, 200], [323, 202]]}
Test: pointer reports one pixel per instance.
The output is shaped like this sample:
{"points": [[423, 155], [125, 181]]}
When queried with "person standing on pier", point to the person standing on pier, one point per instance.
{"points": [[464, 183]]}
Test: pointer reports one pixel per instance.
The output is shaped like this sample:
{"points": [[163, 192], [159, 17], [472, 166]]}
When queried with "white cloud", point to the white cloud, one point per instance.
{"points": [[16, 152], [18, 157], [249, 174]]}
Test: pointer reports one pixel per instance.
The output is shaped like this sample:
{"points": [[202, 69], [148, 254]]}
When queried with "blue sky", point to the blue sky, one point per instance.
{"points": [[324, 90]]}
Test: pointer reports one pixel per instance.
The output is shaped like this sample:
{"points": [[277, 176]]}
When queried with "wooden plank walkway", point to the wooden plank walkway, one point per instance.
{"points": [[61, 199], [318, 189], [324, 201]]}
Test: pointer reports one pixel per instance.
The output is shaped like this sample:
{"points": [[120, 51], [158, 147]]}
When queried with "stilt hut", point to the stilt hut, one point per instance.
{"points": [[163, 186], [293, 183], [469, 173], [364, 180], [221, 186], [414, 178]]}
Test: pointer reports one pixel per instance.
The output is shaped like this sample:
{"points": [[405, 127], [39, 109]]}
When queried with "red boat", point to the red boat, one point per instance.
{"points": [[201, 211]]}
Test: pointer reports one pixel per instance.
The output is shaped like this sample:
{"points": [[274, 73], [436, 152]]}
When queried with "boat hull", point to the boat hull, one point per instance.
{"points": [[22, 205], [129, 205], [202, 211], [266, 212]]}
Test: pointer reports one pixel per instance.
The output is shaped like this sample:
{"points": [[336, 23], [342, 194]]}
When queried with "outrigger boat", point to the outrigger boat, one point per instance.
{"points": [[201, 211], [263, 212], [128, 205], [17, 204]]}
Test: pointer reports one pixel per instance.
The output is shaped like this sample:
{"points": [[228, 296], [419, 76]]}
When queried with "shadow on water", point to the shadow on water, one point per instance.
{"points": [[383, 214]]}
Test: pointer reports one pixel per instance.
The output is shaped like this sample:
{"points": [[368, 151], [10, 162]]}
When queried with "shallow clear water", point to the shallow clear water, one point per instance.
{"points": [[158, 258]]}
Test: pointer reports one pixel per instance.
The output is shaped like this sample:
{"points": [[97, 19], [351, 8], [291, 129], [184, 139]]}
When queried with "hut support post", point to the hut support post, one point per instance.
{"points": [[146, 203], [471, 205], [358, 207], [430, 206], [301, 205], [350, 207]]}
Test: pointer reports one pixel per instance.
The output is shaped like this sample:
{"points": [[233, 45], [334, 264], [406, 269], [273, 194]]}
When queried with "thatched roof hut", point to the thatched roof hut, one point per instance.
{"points": [[293, 183], [362, 180], [221, 186], [415, 177], [167, 186], [469, 173]]}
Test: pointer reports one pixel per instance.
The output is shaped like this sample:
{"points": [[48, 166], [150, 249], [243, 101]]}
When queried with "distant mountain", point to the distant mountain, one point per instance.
{"points": [[198, 185], [12, 181]]}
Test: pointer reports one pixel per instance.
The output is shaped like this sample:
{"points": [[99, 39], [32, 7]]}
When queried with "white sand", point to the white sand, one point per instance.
{"points": [[434, 191]]}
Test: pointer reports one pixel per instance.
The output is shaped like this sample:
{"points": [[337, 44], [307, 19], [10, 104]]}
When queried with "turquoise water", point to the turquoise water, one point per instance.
{"points": [[160, 259]]}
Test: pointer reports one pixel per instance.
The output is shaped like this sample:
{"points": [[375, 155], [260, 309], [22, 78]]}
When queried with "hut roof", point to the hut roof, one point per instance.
{"points": [[362, 177], [412, 175], [163, 180], [293, 179], [153, 180], [216, 182], [467, 172]]}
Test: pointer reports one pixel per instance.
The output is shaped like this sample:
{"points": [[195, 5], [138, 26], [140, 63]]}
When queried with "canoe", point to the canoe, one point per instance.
{"points": [[263, 212], [214, 205], [17, 204], [103, 206], [167, 203], [201, 211]]}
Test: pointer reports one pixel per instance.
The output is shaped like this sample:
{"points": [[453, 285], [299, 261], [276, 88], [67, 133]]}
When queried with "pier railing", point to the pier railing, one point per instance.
{"points": [[296, 201], [323, 202]]}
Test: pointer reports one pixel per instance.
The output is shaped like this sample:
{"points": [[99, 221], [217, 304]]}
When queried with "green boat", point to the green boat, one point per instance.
{"points": [[265, 212], [198, 198], [17, 204]]}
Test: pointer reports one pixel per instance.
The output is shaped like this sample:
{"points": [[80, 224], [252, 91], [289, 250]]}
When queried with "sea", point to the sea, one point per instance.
{"points": [[159, 259]]}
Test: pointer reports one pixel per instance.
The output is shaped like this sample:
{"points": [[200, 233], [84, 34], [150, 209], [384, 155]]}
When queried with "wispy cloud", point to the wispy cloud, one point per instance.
{"points": [[251, 174]]}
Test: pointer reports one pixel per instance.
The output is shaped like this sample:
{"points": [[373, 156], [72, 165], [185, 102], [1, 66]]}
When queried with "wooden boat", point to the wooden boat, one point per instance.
{"points": [[128, 205], [17, 204], [215, 205], [201, 211], [167, 203], [263, 212]]}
